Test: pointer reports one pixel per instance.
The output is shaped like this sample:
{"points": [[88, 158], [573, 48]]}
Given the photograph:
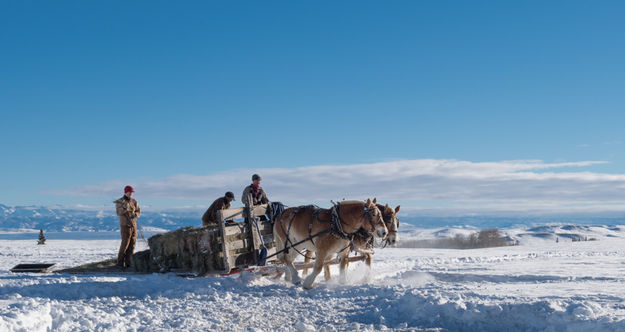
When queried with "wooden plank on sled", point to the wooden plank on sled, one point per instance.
{"points": [[237, 241], [236, 228], [242, 228], [247, 243], [224, 249], [235, 213]]}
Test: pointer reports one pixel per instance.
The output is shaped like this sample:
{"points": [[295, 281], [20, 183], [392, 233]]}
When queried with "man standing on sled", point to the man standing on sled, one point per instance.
{"points": [[128, 211], [254, 194]]}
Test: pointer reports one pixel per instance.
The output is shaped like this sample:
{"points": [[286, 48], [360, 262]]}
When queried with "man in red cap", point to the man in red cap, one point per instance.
{"points": [[128, 211]]}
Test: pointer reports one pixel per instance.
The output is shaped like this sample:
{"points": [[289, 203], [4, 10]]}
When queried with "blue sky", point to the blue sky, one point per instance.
{"points": [[95, 95]]}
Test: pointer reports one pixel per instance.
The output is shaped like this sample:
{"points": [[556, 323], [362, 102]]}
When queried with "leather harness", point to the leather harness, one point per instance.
{"points": [[336, 228]]}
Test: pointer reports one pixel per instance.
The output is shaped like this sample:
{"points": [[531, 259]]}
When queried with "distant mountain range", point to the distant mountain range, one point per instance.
{"points": [[415, 237], [64, 220], [59, 219]]}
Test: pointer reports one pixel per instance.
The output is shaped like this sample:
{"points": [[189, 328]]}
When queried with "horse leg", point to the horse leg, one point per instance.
{"points": [[326, 272], [343, 266], [287, 273], [281, 256], [307, 258], [288, 258], [368, 262], [293, 275], [319, 260]]}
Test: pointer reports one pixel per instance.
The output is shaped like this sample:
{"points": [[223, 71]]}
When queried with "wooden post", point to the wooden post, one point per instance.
{"points": [[240, 241], [224, 247], [254, 235]]}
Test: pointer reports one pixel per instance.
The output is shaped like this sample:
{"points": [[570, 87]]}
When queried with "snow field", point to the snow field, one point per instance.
{"points": [[537, 286]]}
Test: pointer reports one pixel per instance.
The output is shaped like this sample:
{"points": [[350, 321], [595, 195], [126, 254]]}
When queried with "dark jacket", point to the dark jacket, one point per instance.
{"points": [[260, 198], [210, 216]]}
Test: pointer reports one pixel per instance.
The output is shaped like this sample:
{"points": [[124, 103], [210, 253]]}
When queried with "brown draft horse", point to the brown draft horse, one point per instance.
{"points": [[391, 222], [361, 244], [299, 223]]}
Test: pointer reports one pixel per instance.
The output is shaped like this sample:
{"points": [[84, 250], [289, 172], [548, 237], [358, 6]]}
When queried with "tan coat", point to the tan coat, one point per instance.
{"points": [[210, 216], [127, 247], [128, 211], [261, 196]]}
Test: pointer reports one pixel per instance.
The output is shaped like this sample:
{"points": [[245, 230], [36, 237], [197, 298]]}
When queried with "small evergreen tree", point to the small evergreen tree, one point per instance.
{"points": [[42, 238]]}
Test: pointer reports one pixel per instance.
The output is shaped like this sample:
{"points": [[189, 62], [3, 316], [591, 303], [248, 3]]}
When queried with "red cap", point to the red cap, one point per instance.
{"points": [[128, 188]]}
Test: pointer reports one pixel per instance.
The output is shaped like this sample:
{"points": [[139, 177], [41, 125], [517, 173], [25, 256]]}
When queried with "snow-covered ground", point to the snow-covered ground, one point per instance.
{"points": [[539, 285]]}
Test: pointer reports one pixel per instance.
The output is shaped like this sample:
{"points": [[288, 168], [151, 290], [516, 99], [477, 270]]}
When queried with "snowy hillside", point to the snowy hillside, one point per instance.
{"points": [[539, 285], [524, 235], [57, 219]]}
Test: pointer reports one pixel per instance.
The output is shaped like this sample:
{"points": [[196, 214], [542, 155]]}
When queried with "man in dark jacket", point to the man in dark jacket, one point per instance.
{"points": [[221, 203], [128, 211]]}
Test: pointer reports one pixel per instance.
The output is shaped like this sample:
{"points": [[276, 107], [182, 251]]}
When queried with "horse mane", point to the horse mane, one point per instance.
{"points": [[352, 202], [382, 208]]}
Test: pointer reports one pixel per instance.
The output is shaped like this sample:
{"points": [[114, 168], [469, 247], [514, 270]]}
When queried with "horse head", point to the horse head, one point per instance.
{"points": [[392, 223], [374, 221]]}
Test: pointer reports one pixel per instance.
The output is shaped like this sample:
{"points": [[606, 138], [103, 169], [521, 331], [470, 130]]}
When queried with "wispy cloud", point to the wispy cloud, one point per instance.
{"points": [[454, 184]]}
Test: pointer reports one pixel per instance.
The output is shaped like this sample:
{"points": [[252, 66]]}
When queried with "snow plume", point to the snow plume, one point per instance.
{"points": [[454, 184]]}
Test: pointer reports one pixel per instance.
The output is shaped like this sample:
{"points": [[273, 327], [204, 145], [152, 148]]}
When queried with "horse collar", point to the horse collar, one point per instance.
{"points": [[336, 224]]}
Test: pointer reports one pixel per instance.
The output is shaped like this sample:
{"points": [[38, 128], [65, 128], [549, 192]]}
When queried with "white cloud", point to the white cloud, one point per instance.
{"points": [[453, 184]]}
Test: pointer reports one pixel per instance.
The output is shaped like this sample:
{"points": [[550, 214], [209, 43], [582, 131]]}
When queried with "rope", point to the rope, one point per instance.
{"points": [[141, 234], [300, 242]]}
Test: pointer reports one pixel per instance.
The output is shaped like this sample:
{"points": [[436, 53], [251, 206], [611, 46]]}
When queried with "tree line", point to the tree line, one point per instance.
{"points": [[483, 239]]}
